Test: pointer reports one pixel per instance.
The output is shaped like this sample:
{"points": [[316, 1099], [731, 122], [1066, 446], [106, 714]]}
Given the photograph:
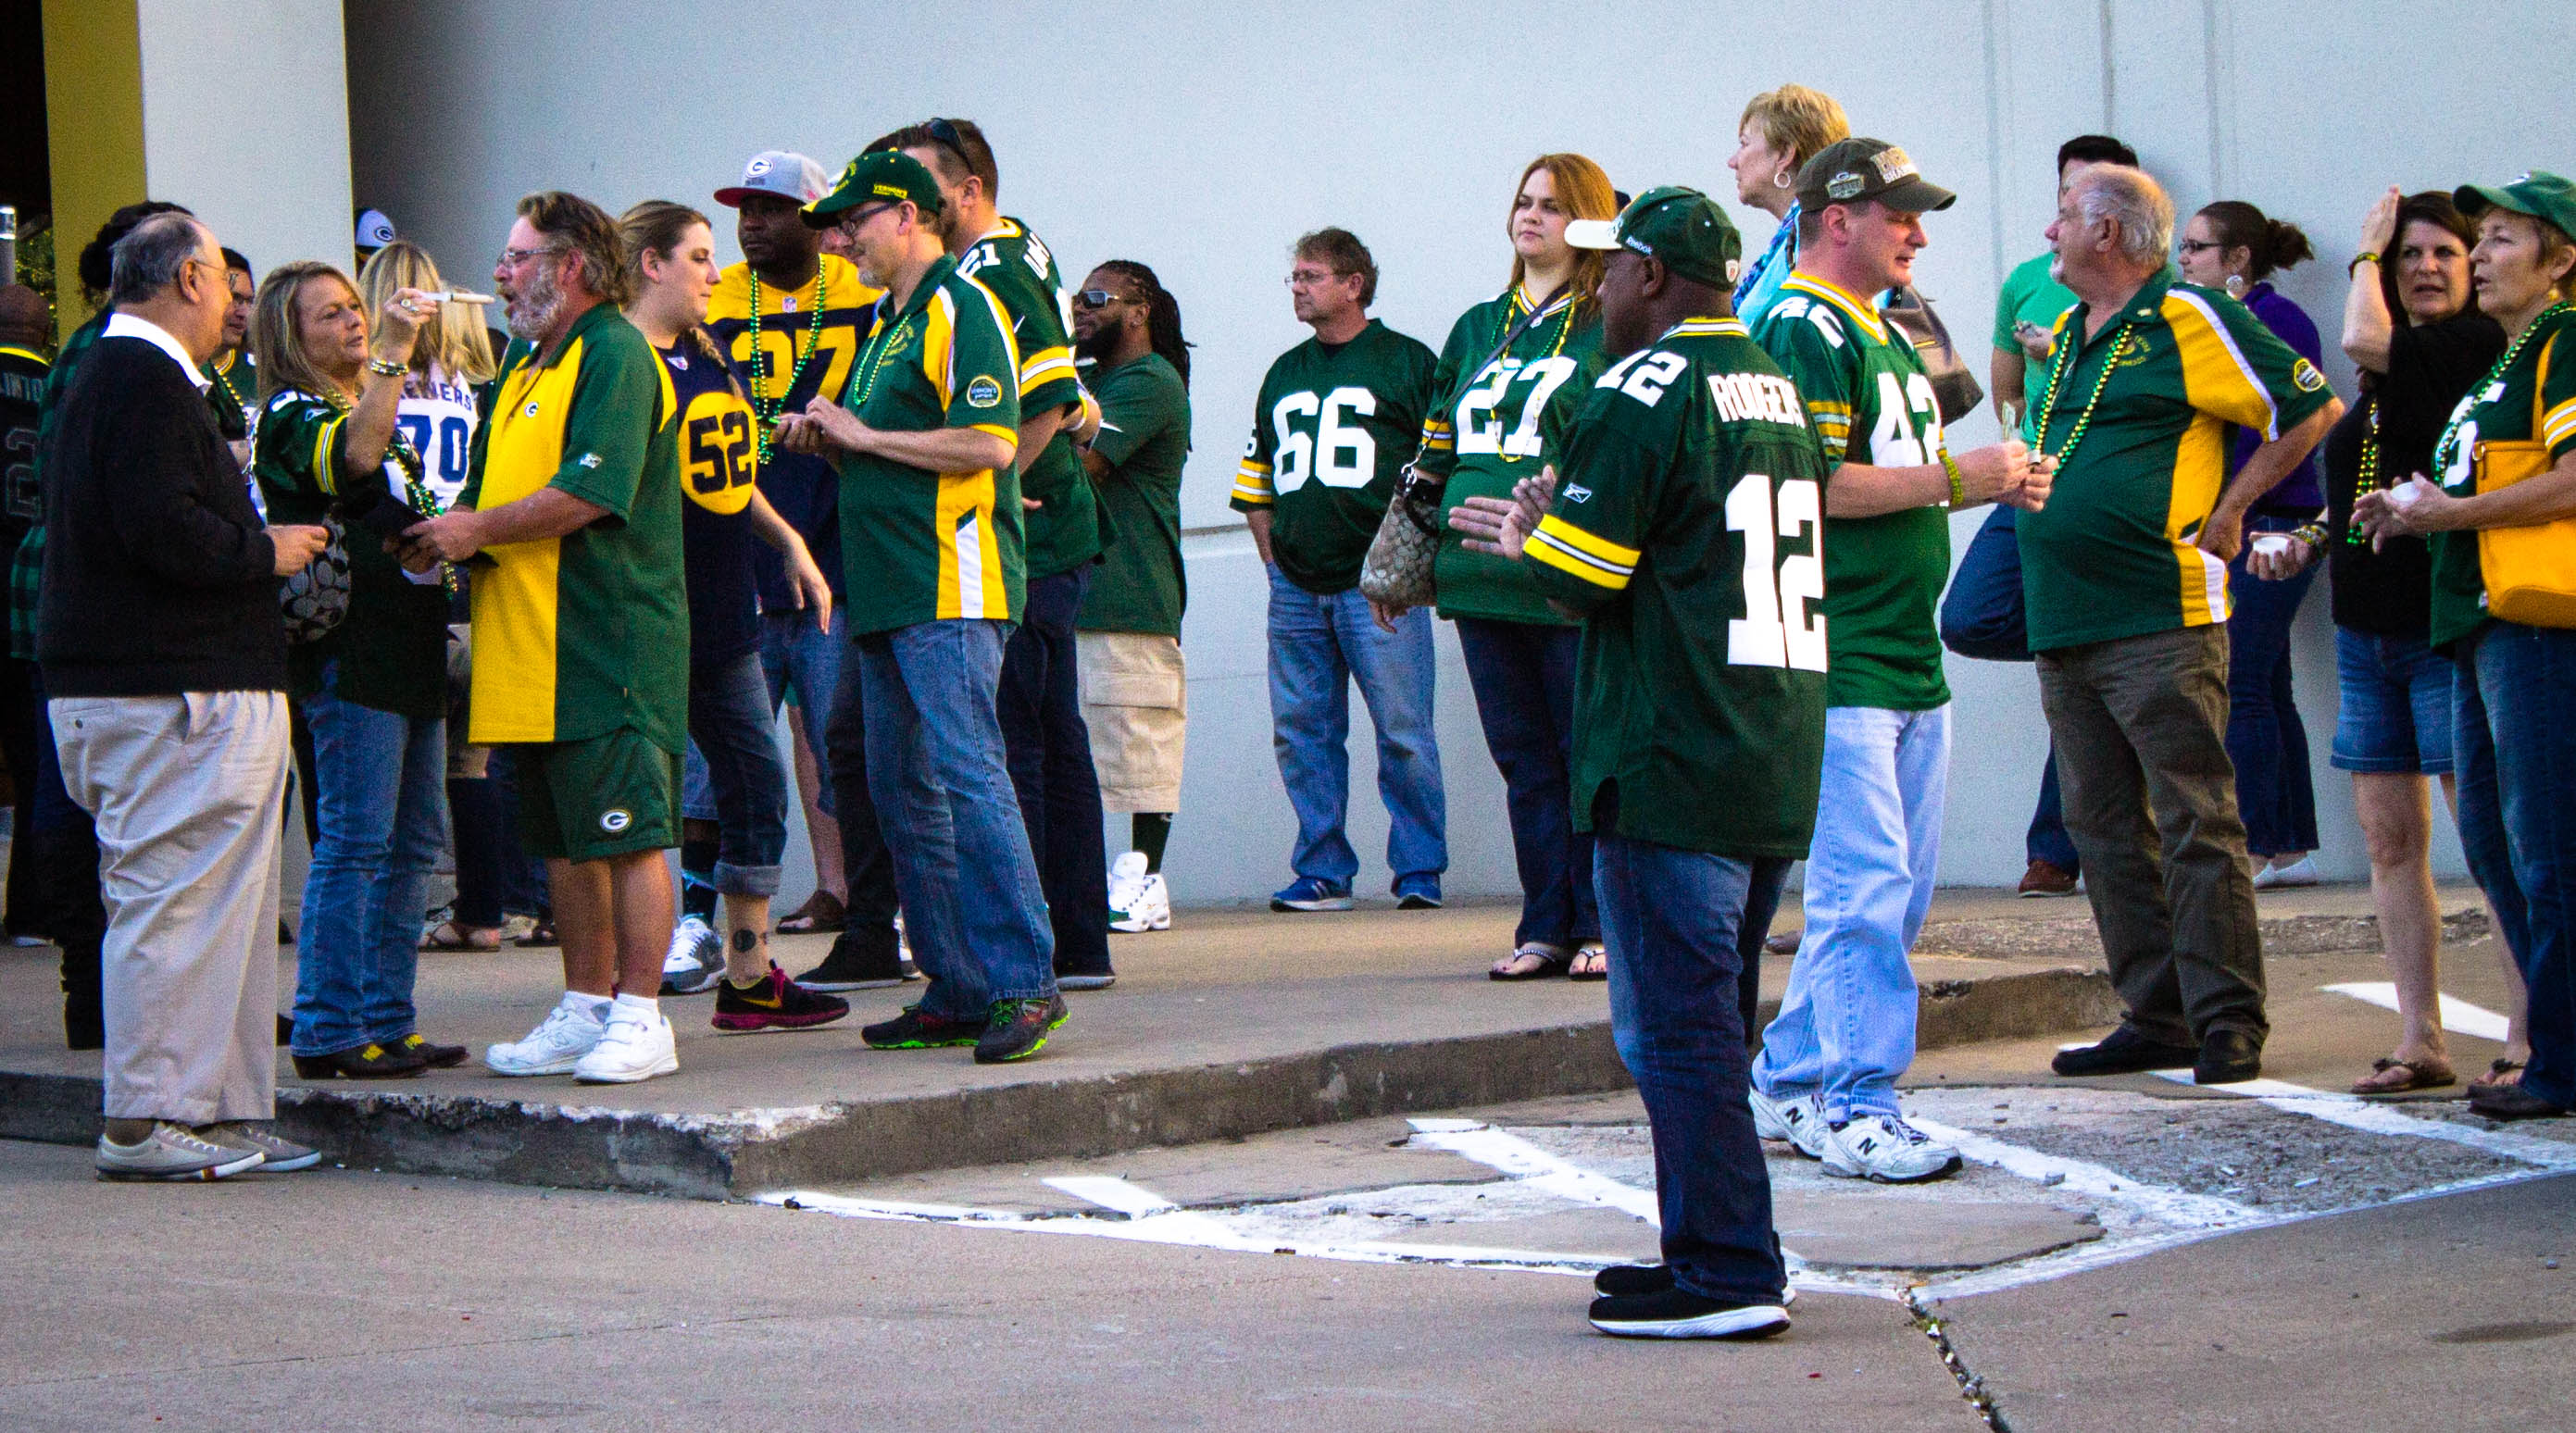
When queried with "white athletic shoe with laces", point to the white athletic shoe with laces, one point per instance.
{"points": [[1884, 1149], [1795, 1119], [637, 1045], [696, 960], [554, 1047], [1138, 899]]}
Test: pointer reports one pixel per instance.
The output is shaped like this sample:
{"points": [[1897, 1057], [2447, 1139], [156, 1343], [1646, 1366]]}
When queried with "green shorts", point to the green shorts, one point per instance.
{"points": [[607, 795]]}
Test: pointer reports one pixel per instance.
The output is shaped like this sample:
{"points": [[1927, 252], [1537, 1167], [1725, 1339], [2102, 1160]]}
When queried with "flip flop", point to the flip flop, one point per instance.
{"points": [[2420, 1075], [1552, 963], [540, 937], [2497, 1073], [1589, 948], [448, 935]]}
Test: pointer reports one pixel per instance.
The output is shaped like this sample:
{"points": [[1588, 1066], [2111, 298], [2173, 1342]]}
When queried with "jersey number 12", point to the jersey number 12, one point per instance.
{"points": [[1780, 626]]}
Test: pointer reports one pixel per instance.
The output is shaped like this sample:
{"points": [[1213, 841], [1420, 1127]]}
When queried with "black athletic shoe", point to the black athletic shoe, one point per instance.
{"points": [[860, 960], [1018, 1029], [1678, 1313], [1627, 1281], [2228, 1057], [774, 1003], [431, 1053], [915, 1030], [2124, 1052]]}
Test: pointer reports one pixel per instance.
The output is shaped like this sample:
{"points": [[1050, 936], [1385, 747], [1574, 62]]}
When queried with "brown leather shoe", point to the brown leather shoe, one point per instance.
{"points": [[2047, 878]]}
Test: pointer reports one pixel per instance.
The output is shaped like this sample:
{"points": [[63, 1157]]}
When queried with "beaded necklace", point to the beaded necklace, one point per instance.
{"points": [[223, 378], [2367, 479], [408, 463], [2065, 359], [873, 358], [1521, 299], [2442, 451], [767, 408]]}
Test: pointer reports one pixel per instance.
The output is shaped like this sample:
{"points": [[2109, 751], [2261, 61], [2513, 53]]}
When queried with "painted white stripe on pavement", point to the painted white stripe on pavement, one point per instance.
{"points": [[2354, 1112], [2179, 1208], [1132, 1200], [1523, 1160], [2458, 1016]]}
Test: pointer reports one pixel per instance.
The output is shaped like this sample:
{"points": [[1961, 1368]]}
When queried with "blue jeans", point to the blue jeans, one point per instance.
{"points": [[794, 653], [942, 790], [2396, 712], [1672, 920], [2275, 792], [1319, 645], [1523, 675], [1845, 1031], [2517, 774], [733, 776], [1050, 756], [380, 786], [2046, 840]]}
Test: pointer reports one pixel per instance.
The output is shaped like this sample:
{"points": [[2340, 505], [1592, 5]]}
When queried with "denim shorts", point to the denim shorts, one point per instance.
{"points": [[2396, 705]]}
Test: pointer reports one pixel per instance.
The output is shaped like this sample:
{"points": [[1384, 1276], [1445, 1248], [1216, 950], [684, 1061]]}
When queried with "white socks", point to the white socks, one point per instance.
{"points": [[645, 1006]]}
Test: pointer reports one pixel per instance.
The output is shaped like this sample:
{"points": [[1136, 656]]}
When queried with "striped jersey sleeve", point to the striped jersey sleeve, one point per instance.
{"points": [[2235, 368], [2557, 397]]}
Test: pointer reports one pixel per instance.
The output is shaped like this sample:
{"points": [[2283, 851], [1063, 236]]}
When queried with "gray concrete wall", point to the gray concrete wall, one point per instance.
{"points": [[1202, 139]]}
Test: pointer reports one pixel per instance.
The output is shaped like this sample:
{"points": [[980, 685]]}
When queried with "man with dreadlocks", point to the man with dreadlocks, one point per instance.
{"points": [[1135, 700]]}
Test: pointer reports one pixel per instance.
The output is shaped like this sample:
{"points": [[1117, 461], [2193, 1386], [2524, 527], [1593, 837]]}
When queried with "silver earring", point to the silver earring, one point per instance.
{"points": [[2236, 286], [1780, 180]]}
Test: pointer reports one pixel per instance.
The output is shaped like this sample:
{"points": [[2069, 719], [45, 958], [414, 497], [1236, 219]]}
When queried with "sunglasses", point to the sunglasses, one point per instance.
{"points": [[1099, 298], [945, 135]]}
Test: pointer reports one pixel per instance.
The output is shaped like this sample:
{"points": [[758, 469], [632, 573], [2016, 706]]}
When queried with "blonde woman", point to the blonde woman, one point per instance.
{"points": [[1781, 130]]}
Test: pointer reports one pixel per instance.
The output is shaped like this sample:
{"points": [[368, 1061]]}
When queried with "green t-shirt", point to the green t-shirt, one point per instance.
{"points": [[1497, 425], [1334, 426], [924, 546], [2029, 296], [2532, 400], [1686, 523], [2111, 555], [1065, 530], [392, 647], [576, 636], [1145, 438], [1870, 403]]}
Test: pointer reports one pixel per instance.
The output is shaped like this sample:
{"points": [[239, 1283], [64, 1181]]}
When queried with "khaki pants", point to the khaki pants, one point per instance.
{"points": [[187, 792], [1135, 699]]}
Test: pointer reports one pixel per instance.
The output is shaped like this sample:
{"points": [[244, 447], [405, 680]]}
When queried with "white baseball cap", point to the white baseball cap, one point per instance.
{"points": [[781, 173]]}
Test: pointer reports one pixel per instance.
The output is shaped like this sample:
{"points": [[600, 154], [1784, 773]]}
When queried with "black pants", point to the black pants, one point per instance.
{"points": [[1050, 757], [29, 906], [59, 836]]}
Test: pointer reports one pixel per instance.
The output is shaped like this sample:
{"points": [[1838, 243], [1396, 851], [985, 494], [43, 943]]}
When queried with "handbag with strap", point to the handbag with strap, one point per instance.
{"points": [[2530, 570], [1954, 384], [1397, 570]]}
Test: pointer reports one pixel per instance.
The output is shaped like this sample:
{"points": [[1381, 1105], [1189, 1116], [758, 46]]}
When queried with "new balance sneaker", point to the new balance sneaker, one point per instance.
{"points": [[1311, 893], [1018, 1029], [276, 1153], [1142, 902], [635, 1045], [696, 960], [859, 960], [173, 1152], [1418, 892], [917, 1029], [1884, 1149], [1795, 1119], [555, 1046], [774, 1003], [1676, 1312]]}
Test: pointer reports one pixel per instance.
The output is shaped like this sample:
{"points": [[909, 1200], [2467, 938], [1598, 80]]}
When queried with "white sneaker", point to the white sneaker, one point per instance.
{"points": [[696, 960], [637, 1045], [173, 1151], [1147, 903], [1884, 1149], [1795, 1119], [554, 1047], [1126, 878], [2301, 872]]}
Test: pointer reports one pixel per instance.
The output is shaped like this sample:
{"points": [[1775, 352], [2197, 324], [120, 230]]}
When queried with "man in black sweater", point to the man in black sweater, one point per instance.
{"points": [[165, 665]]}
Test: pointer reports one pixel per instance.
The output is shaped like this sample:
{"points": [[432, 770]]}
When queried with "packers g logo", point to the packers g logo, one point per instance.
{"points": [[2305, 375], [983, 393], [615, 820]]}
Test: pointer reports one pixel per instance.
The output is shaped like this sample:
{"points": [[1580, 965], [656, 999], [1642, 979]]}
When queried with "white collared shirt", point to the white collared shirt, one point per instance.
{"points": [[126, 325]]}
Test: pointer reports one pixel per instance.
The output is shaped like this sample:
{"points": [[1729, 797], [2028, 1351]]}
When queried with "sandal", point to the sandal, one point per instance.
{"points": [[1552, 961], [2416, 1075], [1591, 962], [450, 935], [2499, 1072], [822, 913], [541, 936]]}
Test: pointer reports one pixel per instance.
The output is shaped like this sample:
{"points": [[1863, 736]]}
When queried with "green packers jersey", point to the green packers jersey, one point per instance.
{"points": [[2153, 392], [392, 647], [2533, 400], [924, 546], [1497, 425], [1064, 530], [1333, 427], [576, 636], [1870, 403], [233, 389], [1145, 438], [1687, 524]]}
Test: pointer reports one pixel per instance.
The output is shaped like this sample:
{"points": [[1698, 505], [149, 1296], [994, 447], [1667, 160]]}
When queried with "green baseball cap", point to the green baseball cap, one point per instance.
{"points": [[1850, 170], [882, 174], [1679, 228], [2538, 193]]}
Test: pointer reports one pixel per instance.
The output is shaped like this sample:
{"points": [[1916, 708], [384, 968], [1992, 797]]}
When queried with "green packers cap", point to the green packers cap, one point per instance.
{"points": [[1850, 170], [1679, 228], [2538, 193], [883, 174]]}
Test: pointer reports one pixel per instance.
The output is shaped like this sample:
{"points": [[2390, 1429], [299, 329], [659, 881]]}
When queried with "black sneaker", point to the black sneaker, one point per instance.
{"points": [[431, 1053], [2124, 1052], [1678, 1313], [916, 1030], [859, 960], [1018, 1029], [1627, 1281], [774, 1003]]}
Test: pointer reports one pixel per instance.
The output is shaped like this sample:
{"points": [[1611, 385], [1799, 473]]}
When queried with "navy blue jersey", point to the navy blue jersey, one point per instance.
{"points": [[718, 466]]}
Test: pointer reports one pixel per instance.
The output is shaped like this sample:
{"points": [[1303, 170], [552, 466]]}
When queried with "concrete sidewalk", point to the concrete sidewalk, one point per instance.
{"points": [[1233, 1024]]}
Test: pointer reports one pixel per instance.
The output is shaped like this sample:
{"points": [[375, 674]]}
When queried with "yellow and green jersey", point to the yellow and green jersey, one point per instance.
{"points": [[2112, 554], [1065, 530], [576, 636], [2529, 398], [1688, 525], [1870, 403], [1499, 424], [1334, 425], [924, 546]]}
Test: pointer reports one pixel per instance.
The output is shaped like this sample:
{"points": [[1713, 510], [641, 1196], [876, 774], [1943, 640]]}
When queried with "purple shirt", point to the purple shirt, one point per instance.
{"points": [[2299, 493]]}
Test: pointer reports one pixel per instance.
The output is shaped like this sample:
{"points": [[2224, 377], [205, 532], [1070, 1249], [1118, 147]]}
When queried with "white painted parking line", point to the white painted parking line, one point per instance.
{"points": [[1132, 1200], [2458, 1016], [2354, 1112], [2175, 1208], [1525, 1161]]}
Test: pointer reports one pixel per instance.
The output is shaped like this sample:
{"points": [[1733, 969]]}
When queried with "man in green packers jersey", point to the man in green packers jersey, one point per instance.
{"points": [[1684, 526], [1041, 695], [1826, 1079], [2125, 578], [930, 525], [1339, 417], [581, 628]]}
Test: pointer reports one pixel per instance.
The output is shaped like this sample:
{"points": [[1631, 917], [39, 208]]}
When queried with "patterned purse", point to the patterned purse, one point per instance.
{"points": [[315, 599]]}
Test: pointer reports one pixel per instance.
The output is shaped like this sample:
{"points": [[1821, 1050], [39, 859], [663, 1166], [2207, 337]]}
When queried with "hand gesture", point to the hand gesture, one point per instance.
{"points": [[2379, 226], [2278, 562], [2410, 509], [1997, 473], [1501, 527], [397, 326], [813, 594], [2039, 479], [297, 545], [452, 537]]}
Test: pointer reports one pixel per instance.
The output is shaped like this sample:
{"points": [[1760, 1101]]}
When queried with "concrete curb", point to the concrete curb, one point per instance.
{"points": [[755, 1150]]}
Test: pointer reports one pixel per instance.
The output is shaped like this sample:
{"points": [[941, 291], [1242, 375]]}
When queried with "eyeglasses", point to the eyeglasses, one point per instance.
{"points": [[945, 135], [1309, 278], [1100, 298], [853, 220], [2196, 246], [512, 258]]}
